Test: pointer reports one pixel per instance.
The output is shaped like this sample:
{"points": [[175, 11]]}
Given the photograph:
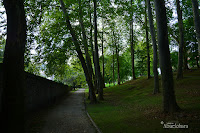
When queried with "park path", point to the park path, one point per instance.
{"points": [[69, 116]]}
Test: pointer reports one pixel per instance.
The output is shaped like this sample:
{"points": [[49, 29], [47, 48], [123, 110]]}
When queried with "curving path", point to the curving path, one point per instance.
{"points": [[69, 116]]}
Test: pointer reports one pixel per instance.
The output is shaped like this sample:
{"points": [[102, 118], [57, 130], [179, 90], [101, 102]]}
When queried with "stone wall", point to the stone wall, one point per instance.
{"points": [[39, 91]]}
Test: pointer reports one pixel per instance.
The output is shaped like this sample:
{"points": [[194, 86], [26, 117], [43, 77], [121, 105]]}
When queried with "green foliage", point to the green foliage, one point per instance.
{"points": [[174, 60], [2, 47]]}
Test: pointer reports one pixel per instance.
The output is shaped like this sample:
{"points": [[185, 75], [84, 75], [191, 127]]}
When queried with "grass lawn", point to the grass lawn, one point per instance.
{"points": [[132, 108]]}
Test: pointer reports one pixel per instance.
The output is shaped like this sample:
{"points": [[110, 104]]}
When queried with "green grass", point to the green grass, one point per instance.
{"points": [[132, 108]]}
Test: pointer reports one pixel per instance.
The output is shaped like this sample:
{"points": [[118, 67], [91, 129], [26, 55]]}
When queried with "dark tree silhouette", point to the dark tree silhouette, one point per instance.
{"points": [[169, 100], [131, 39], [181, 43], [13, 68]]}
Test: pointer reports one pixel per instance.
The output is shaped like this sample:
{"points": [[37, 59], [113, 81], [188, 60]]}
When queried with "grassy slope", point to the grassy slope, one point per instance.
{"points": [[132, 107]]}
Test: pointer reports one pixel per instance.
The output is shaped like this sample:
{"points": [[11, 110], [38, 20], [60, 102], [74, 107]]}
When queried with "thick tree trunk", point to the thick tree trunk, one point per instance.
{"points": [[195, 8], [147, 43], [169, 100], [131, 39], [13, 68], [80, 54], [155, 55], [99, 76], [181, 44]]}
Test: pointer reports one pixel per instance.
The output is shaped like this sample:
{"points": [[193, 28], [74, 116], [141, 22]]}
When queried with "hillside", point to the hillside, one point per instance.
{"points": [[131, 107]]}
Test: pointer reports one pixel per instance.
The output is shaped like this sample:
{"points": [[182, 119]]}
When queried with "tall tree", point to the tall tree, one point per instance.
{"points": [[113, 67], [97, 67], [181, 42], [80, 54], [147, 43], [169, 100], [103, 67], [117, 56], [195, 8], [13, 69], [88, 59], [155, 55], [131, 39]]}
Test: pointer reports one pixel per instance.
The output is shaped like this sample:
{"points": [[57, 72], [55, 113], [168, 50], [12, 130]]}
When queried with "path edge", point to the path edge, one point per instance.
{"points": [[93, 123]]}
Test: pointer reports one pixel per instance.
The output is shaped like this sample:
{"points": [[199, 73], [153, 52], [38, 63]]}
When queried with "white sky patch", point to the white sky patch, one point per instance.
{"points": [[2, 18]]}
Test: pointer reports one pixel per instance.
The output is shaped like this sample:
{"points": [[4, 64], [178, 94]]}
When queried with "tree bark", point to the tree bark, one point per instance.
{"points": [[132, 46], [181, 44], [99, 76], [113, 67], [169, 100], [195, 8], [155, 55], [13, 68], [80, 54], [147, 43], [92, 48], [103, 68], [117, 54], [88, 59]]}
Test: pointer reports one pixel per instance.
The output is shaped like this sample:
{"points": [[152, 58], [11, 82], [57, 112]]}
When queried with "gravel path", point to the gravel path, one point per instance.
{"points": [[69, 116]]}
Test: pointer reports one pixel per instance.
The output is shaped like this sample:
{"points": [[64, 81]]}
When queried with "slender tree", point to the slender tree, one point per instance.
{"points": [[181, 44], [92, 46], [117, 55], [13, 69], [169, 100], [103, 66], [155, 56], [131, 39], [88, 59], [147, 43], [195, 8], [102, 49], [113, 67], [97, 67], [80, 54]]}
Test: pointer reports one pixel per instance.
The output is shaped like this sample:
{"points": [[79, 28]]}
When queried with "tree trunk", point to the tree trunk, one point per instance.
{"points": [[155, 55], [80, 54], [147, 43], [99, 76], [113, 67], [181, 44], [88, 59], [13, 68], [117, 54], [131, 38], [92, 48], [103, 61], [195, 8], [169, 100]]}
